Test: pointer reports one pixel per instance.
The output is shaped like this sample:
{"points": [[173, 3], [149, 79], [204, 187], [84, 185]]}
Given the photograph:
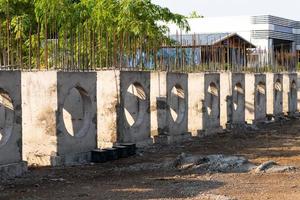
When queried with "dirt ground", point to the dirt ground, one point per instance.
{"points": [[277, 142]]}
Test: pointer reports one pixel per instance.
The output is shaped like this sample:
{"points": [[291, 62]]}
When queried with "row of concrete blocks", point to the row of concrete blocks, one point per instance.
{"points": [[56, 118]]}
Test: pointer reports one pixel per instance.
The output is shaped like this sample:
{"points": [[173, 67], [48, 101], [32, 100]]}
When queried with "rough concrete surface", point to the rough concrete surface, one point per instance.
{"points": [[134, 114]]}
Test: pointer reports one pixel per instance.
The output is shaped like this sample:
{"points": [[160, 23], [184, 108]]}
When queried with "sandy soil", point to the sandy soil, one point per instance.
{"points": [[277, 142]]}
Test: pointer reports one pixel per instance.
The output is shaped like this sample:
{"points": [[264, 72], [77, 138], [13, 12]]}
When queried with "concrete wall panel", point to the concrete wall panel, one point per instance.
{"points": [[249, 97], [238, 98], [212, 101], [134, 116], [76, 116], [260, 98], [177, 99], [289, 93]]}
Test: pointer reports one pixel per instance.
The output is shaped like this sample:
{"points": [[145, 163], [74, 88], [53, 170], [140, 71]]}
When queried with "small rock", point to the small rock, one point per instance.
{"points": [[265, 166], [280, 169]]}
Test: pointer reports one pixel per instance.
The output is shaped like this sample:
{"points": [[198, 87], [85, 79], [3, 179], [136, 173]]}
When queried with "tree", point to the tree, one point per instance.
{"points": [[194, 14], [81, 31]]}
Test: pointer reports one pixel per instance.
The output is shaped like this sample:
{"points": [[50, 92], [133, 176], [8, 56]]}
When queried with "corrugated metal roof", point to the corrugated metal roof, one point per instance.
{"points": [[204, 39], [200, 39]]}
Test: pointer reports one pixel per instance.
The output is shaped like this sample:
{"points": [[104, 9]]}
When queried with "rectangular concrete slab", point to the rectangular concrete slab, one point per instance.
{"points": [[134, 114], [225, 94], [158, 103], [39, 107], [77, 113], [108, 101], [177, 99], [211, 120], [195, 102]]}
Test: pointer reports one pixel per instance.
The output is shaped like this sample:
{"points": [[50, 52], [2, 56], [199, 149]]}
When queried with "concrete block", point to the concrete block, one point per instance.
{"points": [[177, 101], [195, 102], [108, 101], [134, 114], [11, 163], [158, 103], [225, 94]]}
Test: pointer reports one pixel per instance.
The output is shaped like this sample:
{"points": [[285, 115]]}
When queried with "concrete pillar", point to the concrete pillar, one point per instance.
{"points": [[108, 101], [255, 97], [225, 95], [249, 97], [270, 93], [39, 107], [158, 103], [195, 102]]}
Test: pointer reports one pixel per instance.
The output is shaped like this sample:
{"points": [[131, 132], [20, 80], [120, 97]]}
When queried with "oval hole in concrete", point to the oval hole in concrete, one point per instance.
{"points": [[293, 89], [77, 112], [238, 96], [177, 103], [212, 104], [135, 105], [261, 93], [277, 88]]}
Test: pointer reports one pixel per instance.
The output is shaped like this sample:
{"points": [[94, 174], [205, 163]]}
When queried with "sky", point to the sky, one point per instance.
{"points": [[215, 8]]}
